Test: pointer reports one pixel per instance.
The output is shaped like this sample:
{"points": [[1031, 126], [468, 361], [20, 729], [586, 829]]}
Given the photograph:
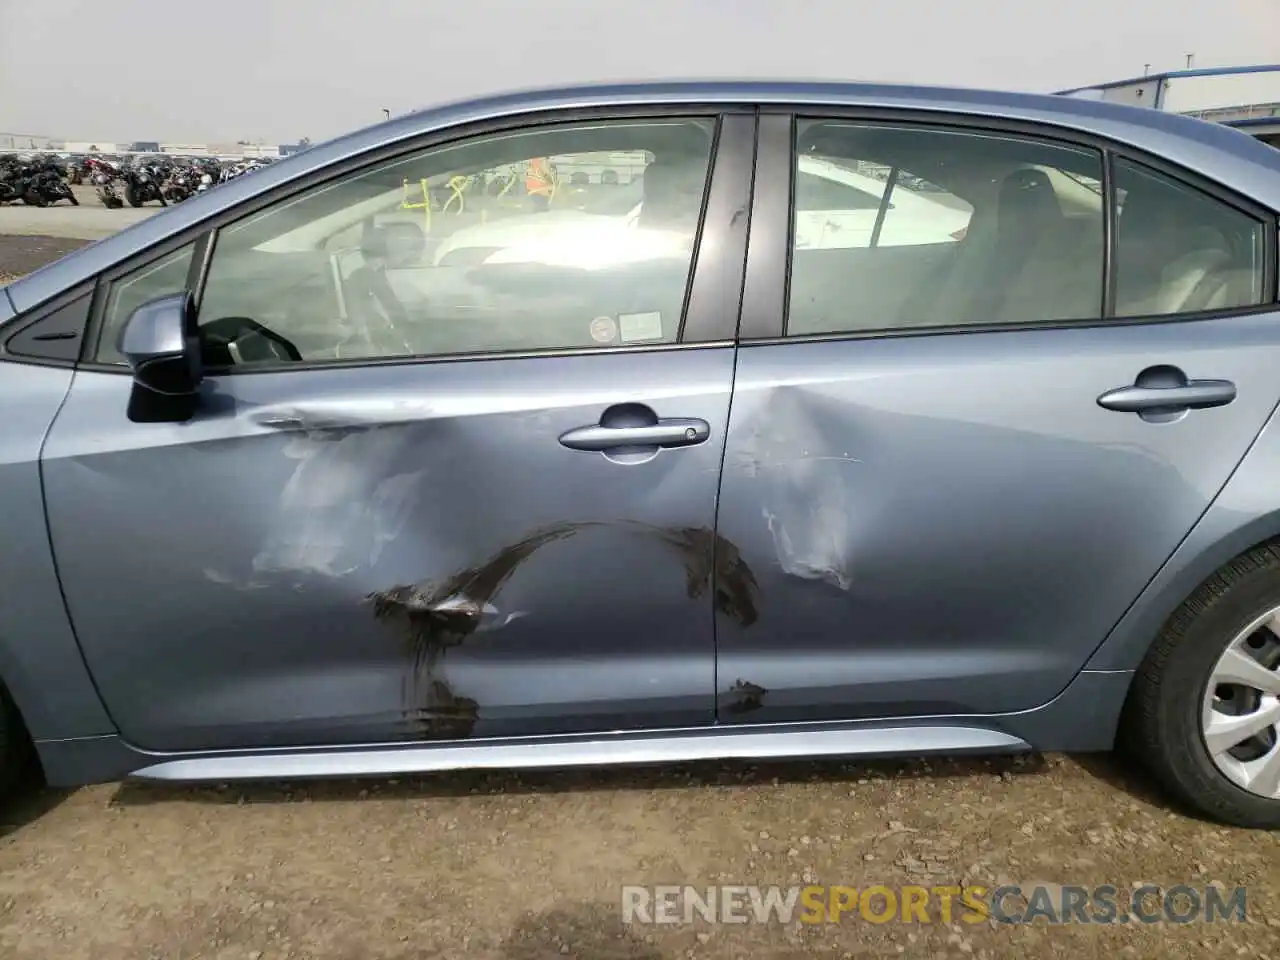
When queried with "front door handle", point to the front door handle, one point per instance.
{"points": [[1164, 392], [675, 432]]}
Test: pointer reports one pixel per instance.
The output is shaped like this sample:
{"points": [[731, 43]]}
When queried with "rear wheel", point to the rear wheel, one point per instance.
{"points": [[14, 746], [1204, 710]]}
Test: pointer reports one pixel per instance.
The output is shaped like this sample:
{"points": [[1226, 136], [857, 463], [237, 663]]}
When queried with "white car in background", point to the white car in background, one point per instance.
{"points": [[836, 208]]}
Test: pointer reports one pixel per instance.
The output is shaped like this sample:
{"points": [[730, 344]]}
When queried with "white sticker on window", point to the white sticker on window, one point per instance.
{"points": [[603, 330], [636, 327]]}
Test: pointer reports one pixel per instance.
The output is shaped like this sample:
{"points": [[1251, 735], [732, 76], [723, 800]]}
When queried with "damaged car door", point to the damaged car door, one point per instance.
{"points": [[412, 500], [974, 443]]}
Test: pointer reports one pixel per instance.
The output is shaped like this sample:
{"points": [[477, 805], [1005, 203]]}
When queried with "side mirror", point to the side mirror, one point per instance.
{"points": [[160, 341]]}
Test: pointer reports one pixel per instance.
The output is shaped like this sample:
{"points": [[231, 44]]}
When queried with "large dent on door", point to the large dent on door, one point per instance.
{"points": [[344, 503], [367, 558], [802, 488], [331, 521]]}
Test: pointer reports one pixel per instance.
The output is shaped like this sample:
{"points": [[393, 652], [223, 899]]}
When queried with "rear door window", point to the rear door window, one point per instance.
{"points": [[968, 229]]}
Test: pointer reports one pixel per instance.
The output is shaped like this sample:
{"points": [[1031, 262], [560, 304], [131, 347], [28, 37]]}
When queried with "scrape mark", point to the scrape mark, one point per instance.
{"points": [[748, 696], [443, 715], [434, 618], [798, 453], [711, 561]]}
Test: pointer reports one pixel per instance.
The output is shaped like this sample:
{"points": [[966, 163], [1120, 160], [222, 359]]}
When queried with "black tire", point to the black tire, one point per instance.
{"points": [[15, 748], [131, 195], [33, 199], [75, 202], [1161, 723]]}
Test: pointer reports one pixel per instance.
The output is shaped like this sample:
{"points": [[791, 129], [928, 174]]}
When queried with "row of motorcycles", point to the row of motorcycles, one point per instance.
{"points": [[36, 181], [43, 180], [145, 180]]}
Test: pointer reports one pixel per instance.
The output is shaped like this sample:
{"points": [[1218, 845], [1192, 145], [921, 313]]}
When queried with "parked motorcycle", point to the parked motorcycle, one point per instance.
{"points": [[180, 183], [143, 183], [104, 175], [37, 181], [50, 185]]}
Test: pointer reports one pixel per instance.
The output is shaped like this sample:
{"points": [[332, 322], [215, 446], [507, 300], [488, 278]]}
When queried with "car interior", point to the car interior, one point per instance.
{"points": [[1178, 253], [344, 272], [377, 292], [1033, 250]]}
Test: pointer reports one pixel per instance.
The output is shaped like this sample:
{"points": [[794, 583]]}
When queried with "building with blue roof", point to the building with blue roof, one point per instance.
{"points": [[1244, 97]]}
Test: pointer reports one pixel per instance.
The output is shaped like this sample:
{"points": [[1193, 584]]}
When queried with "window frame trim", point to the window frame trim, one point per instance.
{"points": [[38, 315], [717, 330], [761, 330]]}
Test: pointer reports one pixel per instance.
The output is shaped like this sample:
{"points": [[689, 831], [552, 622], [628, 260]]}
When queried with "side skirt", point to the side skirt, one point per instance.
{"points": [[1082, 718]]}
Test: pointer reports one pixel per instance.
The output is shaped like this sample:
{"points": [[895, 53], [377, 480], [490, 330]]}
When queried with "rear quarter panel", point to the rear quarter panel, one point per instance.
{"points": [[1244, 514]]}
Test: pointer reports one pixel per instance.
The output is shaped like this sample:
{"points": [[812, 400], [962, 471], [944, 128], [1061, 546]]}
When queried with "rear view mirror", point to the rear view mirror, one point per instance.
{"points": [[161, 345]]}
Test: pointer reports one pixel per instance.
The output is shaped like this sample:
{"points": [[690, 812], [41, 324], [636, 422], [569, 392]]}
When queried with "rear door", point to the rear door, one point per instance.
{"points": [[950, 477], [419, 500]]}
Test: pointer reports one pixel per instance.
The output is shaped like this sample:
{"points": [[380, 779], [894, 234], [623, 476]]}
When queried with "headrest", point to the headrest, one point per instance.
{"points": [[1027, 197], [673, 188]]}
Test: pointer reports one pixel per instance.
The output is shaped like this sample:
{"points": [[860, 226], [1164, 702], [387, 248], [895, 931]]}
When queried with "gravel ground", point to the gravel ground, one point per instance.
{"points": [[519, 868], [19, 255], [89, 221]]}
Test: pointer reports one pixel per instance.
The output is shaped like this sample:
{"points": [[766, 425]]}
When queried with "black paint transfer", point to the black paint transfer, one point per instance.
{"points": [[435, 617], [747, 696]]}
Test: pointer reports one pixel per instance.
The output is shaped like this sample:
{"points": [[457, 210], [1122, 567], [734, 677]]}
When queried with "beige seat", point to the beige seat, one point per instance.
{"points": [[1167, 265], [1061, 279], [998, 271]]}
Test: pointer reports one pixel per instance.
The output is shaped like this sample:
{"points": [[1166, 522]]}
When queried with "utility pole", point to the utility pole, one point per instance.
{"points": [[1190, 57], [386, 114], [1146, 69]]}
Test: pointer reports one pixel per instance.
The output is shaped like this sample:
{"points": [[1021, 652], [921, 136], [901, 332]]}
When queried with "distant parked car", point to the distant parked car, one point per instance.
{"points": [[836, 208], [771, 457]]}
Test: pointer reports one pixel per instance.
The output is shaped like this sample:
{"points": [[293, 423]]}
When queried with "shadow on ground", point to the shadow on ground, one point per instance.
{"points": [[1124, 774], [28, 804]]}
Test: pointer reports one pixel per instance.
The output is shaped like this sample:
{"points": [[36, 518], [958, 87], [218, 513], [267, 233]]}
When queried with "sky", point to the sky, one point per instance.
{"points": [[278, 70]]}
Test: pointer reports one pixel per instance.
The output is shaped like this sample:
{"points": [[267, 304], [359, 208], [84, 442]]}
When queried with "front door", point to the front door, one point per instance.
{"points": [[952, 478], [419, 499]]}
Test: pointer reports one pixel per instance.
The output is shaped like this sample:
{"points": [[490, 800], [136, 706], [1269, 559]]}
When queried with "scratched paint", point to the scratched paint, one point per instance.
{"points": [[433, 618], [805, 495], [332, 519]]}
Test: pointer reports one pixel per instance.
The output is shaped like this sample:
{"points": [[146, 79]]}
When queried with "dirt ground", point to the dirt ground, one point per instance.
{"points": [[520, 868]]}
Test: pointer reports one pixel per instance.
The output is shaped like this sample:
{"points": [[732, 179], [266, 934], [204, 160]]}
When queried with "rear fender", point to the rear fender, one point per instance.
{"points": [[1246, 513]]}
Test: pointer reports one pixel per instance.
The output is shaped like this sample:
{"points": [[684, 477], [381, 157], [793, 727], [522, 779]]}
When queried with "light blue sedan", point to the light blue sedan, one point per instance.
{"points": [[288, 495]]}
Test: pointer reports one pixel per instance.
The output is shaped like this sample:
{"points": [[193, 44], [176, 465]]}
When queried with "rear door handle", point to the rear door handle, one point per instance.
{"points": [[1163, 393], [1194, 395], [676, 432]]}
